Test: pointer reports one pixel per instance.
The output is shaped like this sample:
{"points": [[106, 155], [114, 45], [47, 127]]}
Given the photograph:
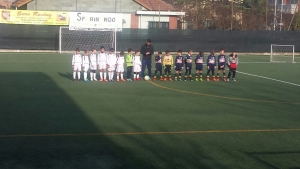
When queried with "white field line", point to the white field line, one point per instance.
{"points": [[270, 62], [281, 81], [153, 64], [33, 61]]}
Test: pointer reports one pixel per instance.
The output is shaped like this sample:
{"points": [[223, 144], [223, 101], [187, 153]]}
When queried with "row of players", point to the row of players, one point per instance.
{"points": [[111, 63]]}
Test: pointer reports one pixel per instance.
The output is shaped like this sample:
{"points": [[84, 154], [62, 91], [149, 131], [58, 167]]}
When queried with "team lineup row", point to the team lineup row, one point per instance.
{"points": [[109, 62]]}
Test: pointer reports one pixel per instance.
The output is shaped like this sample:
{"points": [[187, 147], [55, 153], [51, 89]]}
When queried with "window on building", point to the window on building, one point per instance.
{"points": [[271, 2], [285, 2], [294, 1], [158, 25]]}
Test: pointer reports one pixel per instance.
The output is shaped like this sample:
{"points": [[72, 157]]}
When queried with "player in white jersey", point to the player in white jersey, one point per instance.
{"points": [[120, 66], [111, 63], [102, 62], [76, 64], [93, 65], [137, 66], [85, 64]]}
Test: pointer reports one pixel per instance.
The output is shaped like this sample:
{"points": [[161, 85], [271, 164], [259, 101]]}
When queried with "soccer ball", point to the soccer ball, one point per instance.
{"points": [[147, 78]]}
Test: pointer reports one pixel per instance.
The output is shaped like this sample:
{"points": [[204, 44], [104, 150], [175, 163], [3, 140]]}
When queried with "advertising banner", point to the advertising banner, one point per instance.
{"points": [[95, 21], [34, 17]]}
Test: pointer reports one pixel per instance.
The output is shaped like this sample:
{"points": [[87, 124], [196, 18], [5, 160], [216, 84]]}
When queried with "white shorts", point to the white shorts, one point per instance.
{"points": [[77, 67], [137, 68], [93, 66], [102, 65], [120, 68], [86, 67], [111, 68]]}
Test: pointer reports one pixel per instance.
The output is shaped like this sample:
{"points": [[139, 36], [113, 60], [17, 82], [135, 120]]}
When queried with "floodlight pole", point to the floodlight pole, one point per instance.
{"points": [[267, 14], [275, 20], [196, 14], [281, 14], [231, 14], [159, 16], [76, 5]]}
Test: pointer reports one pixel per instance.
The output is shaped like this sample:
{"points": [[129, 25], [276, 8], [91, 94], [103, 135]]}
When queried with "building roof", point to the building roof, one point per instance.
{"points": [[19, 3], [156, 5]]}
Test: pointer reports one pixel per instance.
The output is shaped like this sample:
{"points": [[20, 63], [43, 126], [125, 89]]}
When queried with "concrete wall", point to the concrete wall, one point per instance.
{"points": [[119, 6]]}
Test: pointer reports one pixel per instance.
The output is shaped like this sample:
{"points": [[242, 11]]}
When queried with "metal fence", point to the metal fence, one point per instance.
{"points": [[33, 37]]}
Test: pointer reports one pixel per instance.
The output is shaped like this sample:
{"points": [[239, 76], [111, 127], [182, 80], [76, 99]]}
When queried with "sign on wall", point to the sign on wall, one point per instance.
{"points": [[95, 21], [34, 17]]}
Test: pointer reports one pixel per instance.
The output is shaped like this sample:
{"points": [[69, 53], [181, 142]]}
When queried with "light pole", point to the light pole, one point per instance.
{"points": [[159, 15], [231, 14], [266, 14], [275, 14], [281, 14], [196, 14], [76, 5]]}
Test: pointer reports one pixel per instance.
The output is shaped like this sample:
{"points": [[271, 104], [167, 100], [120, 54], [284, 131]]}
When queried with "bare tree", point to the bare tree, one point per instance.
{"points": [[225, 14]]}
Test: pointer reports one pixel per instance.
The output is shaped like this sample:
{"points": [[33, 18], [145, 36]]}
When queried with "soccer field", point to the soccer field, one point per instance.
{"points": [[49, 121]]}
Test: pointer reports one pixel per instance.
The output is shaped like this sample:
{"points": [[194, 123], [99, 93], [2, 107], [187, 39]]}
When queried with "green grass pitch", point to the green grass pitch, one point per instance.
{"points": [[49, 121]]}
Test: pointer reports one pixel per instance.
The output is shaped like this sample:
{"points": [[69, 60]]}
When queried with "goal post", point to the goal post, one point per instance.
{"points": [[69, 40], [88, 30], [282, 53]]}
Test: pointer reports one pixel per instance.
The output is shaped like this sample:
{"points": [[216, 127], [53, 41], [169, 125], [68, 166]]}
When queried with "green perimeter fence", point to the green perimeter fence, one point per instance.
{"points": [[37, 37]]}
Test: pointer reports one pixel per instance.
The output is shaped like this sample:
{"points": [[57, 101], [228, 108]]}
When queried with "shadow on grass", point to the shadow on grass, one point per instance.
{"points": [[67, 75], [32, 104], [270, 159], [171, 151]]}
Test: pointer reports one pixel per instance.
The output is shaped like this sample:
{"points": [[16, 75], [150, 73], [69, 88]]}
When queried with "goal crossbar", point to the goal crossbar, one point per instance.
{"points": [[282, 53], [85, 39]]}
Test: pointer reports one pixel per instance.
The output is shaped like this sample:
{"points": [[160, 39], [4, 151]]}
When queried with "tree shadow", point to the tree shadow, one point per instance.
{"points": [[32, 106]]}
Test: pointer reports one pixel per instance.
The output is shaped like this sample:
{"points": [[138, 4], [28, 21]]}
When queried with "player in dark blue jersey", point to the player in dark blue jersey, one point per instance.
{"points": [[199, 60], [158, 65], [221, 65], [188, 60], [211, 65], [178, 65]]}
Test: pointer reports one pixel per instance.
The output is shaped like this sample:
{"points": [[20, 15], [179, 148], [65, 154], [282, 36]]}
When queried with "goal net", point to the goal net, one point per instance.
{"points": [[282, 53], [69, 40]]}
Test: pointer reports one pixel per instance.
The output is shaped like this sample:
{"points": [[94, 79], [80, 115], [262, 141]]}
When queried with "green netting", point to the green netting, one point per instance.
{"points": [[38, 37]]}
